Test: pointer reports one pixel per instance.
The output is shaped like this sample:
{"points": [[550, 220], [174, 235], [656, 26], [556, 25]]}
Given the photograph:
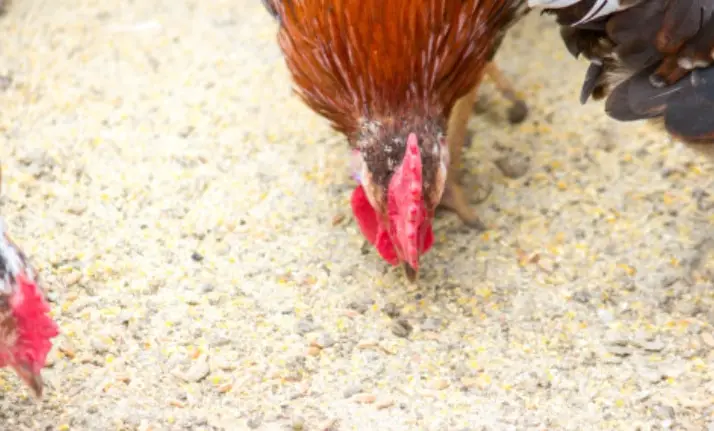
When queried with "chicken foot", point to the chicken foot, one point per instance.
{"points": [[454, 197], [518, 110]]}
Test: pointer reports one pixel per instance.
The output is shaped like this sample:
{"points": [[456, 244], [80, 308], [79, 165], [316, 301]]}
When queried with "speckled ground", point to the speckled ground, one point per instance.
{"points": [[190, 219]]}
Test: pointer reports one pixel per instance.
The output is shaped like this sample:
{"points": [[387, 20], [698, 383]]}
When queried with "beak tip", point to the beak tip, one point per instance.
{"points": [[36, 385], [411, 273]]}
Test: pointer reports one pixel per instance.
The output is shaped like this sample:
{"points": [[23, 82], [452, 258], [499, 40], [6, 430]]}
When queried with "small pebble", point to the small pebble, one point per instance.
{"points": [[620, 351], [352, 390], [255, 422], [364, 398], [5, 80], [196, 256], [177, 403], [431, 324], [304, 326], [384, 403], [367, 344], [73, 279], [642, 396], [350, 313], [517, 112], [470, 382], [665, 412], [401, 328], [582, 296], [361, 306], [605, 315], [337, 219], [514, 165], [654, 346], [77, 208], [391, 310], [125, 316], [324, 341], [439, 384], [198, 371], [298, 423], [358, 307], [99, 345]]}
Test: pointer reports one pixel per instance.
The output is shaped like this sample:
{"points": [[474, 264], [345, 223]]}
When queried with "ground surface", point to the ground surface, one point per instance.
{"points": [[190, 219]]}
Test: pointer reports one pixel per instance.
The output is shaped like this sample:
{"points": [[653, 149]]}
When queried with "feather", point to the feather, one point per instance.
{"points": [[598, 9], [349, 61], [650, 58]]}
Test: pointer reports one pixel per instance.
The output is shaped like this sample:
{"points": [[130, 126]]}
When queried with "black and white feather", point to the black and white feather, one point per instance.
{"points": [[650, 58], [13, 262], [596, 9]]}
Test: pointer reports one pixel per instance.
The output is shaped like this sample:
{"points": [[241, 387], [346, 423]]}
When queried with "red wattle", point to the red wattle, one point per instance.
{"points": [[365, 215], [369, 225]]}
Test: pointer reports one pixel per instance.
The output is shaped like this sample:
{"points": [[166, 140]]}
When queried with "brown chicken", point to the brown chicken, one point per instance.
{"points": [[652, 59], [387, 74]]}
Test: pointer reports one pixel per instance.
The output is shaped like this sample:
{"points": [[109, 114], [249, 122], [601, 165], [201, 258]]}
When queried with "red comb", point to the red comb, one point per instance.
{"points": [[406, 207]]}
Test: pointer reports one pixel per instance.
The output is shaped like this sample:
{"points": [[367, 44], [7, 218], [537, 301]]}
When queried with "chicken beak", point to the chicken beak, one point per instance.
{"points": [[32, 379], [411, 273], [36, 384]]}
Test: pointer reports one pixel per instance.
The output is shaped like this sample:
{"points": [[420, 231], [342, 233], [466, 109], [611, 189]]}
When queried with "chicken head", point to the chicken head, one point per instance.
{"points": [[401, 186]]}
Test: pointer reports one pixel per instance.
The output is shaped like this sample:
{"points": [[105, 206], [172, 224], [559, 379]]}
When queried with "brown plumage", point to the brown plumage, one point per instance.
{"points": [[384, 71], [651, 59], [373, 59]]}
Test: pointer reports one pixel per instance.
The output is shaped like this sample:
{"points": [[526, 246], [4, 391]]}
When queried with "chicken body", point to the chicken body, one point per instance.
{"points": [[650, 58], [387, 74], [25, 326]]}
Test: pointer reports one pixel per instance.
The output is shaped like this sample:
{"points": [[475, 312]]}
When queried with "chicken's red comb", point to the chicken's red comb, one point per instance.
{"points": [[406, 206]]}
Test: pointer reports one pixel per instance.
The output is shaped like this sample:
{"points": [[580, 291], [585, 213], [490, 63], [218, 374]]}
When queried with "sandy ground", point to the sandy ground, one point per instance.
{"points": [[190, 218]]}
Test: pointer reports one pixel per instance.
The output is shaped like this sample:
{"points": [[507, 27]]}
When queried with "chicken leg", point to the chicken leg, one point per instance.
{"points": [[519, 110], [454, 197]]}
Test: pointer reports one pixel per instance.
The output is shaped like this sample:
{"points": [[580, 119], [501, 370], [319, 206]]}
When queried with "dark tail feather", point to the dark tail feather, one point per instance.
{"points": [[687, 106], [690, 115]]}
